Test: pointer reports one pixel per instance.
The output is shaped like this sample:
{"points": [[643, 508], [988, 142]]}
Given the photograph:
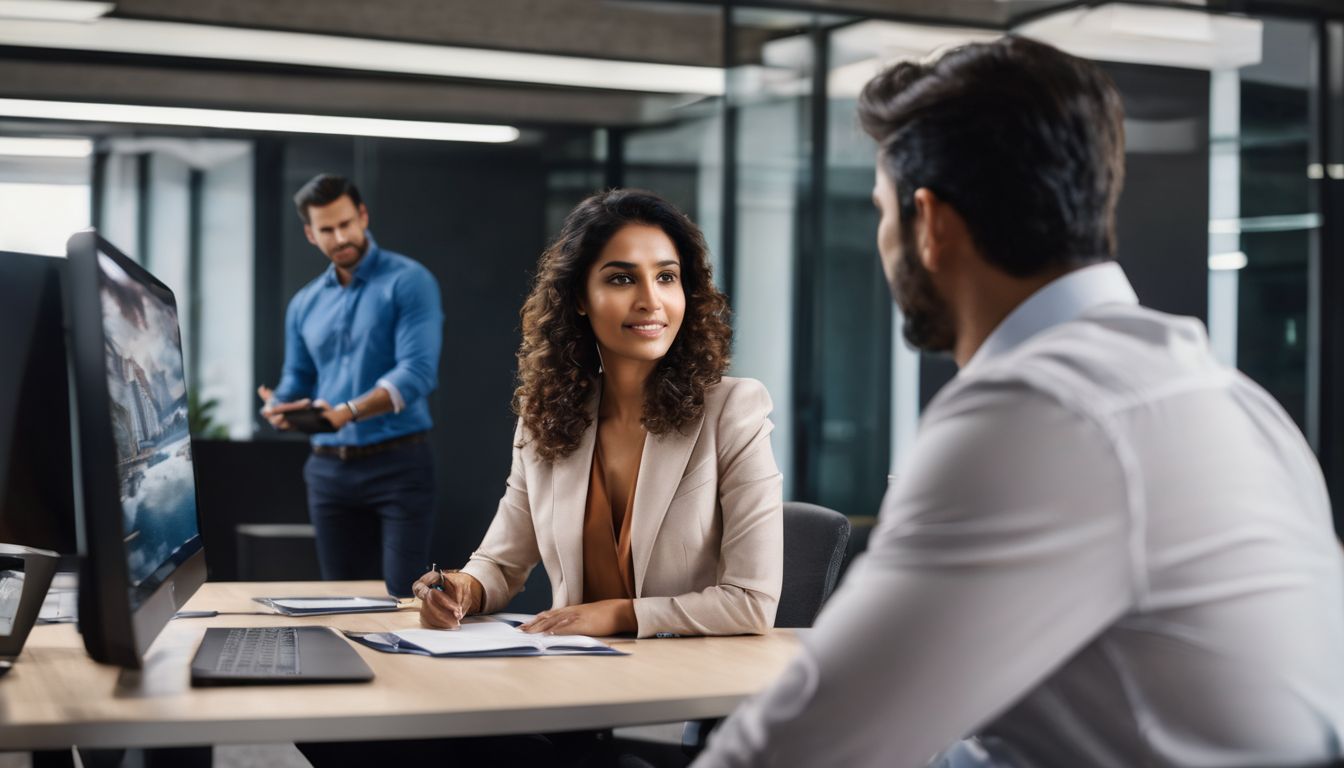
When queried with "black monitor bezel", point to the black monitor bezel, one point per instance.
{"points": [[115, 630]]}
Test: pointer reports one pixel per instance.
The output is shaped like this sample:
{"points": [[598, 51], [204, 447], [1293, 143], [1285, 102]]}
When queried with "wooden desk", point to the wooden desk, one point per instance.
{"points": [[56, 696]]}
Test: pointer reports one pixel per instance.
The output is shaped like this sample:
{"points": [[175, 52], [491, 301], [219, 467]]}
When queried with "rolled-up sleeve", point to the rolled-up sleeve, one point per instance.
{"points": [[418, 337], [751, 559], [1000, 552]]}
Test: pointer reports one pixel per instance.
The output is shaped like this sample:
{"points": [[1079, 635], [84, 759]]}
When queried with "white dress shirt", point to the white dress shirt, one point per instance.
{"points": [[1107, 549]]}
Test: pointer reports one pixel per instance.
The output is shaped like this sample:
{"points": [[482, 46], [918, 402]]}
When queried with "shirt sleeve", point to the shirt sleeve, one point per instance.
{"points": [[299, 375], [418, 338], [398, 403], [1000, 552]]}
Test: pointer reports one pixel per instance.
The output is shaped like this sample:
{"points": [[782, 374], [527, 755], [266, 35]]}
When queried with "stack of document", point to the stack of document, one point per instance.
{"points": [[482, 637]]}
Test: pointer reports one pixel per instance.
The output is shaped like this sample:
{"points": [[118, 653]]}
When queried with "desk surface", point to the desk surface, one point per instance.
{"points": [[57, 696]]}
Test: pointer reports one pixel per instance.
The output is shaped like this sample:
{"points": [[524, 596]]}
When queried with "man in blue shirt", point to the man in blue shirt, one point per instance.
{"points": [[362, 344]]}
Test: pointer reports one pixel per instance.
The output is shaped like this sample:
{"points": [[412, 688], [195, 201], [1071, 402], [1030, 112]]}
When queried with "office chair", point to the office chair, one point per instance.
{"points": [[814, 549]]}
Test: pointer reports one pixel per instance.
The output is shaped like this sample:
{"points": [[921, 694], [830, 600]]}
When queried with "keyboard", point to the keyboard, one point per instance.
{"points": [[276, 655], [259, 652]]}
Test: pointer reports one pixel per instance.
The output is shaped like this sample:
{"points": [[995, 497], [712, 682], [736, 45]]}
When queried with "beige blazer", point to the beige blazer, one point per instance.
{"points": [[707, 530]]}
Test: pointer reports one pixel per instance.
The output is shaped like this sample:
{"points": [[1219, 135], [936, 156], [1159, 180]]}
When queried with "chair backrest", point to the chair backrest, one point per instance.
{"points": [[814, 548]]}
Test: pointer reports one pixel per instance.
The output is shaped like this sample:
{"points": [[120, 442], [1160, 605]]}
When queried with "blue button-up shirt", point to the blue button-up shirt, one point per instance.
{"points": [[384, 329]]}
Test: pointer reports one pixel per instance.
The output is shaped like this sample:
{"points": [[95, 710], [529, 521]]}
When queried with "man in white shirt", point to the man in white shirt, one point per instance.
{"points": [[1106, 549]]}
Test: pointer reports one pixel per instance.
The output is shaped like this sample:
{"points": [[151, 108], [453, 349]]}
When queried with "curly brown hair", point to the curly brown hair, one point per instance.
{"points": [[558, 361]]}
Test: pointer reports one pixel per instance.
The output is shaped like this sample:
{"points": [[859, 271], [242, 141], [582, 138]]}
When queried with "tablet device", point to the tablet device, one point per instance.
{"points": [[308, 421], [320, 606]]}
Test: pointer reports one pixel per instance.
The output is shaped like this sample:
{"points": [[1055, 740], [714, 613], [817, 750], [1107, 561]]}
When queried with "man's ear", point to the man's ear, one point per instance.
{"points": [[308, 233], [929, 229], [363, 216]]}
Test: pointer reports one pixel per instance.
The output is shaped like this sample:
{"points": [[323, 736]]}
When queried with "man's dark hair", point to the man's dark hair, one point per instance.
{"points": [[324, 189], [1024, 141]]}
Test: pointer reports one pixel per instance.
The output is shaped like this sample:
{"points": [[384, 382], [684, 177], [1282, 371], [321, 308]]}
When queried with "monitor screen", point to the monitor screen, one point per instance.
{"points": [[148, 397], [37, 507], [135, 491], [11, 591]]}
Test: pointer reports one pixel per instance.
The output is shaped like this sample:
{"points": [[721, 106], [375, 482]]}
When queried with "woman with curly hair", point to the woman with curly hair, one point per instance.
{"points": [[642, 477]]}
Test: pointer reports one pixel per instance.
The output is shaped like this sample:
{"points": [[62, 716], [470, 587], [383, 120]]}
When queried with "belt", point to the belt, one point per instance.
{"points": [[348, 452]]}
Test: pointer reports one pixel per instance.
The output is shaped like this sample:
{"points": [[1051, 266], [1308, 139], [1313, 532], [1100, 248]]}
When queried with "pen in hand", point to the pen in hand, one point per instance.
{"points": [[457, 607], [447, 610]]}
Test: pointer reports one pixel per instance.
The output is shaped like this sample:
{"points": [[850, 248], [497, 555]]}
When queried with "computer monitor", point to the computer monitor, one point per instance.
{"points": [[36, 502], [135, 490]]}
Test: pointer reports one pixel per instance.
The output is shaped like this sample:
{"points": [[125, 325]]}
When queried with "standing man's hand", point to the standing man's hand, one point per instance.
{"points": [[275, 412], [338, 415]]}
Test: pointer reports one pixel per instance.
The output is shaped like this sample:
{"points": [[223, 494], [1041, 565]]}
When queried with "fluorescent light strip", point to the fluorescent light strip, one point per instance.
{"points": [[25, 147], [257, 121], [1283, 223], [1220, 262], [54, 10], [199, 41]]}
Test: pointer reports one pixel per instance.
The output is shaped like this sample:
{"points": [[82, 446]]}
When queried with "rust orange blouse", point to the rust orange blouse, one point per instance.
{"points": [[608, 568]]}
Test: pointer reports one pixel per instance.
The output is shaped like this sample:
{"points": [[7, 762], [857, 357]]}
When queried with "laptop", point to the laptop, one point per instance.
{"points": [[271, 655]]}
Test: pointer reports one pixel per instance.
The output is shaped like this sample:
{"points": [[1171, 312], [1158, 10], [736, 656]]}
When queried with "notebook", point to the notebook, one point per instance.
{"points": [[483, 637]]}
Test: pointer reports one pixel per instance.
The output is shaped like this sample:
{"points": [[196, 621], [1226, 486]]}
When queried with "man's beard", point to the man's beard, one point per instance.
{"points": [[928, 320], [357, 248]]}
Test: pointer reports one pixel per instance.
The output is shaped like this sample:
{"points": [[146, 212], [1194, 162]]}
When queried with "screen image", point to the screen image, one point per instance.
{"points": [[148, 396], [11, 591]]}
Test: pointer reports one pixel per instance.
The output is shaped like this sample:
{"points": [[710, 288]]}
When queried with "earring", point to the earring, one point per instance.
{"points": [[600, 367]]}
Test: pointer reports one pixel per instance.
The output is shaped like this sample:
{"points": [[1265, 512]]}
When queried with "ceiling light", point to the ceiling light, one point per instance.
{"points": [[200, 41], [1231, 260], [257, 121], [25, 147], [1171, 37], [54, 10]]}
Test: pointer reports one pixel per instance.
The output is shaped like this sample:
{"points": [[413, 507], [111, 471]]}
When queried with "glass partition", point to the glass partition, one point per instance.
{"points": [[1264, 222]]}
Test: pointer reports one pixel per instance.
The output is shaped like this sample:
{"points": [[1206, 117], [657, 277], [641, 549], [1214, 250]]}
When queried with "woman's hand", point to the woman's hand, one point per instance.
{"points": [[601, 619], [445, 598]]}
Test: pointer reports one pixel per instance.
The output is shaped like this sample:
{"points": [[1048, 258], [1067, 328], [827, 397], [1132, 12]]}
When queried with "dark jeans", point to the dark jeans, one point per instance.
{"points": [[356, 503]]}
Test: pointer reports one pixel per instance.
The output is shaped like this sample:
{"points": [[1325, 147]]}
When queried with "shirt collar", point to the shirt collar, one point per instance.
{"points": [[1063, 299], [364, 268]]}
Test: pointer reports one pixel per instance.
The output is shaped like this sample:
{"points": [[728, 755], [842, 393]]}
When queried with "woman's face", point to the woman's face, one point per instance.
{"points": [[634, 296]]}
